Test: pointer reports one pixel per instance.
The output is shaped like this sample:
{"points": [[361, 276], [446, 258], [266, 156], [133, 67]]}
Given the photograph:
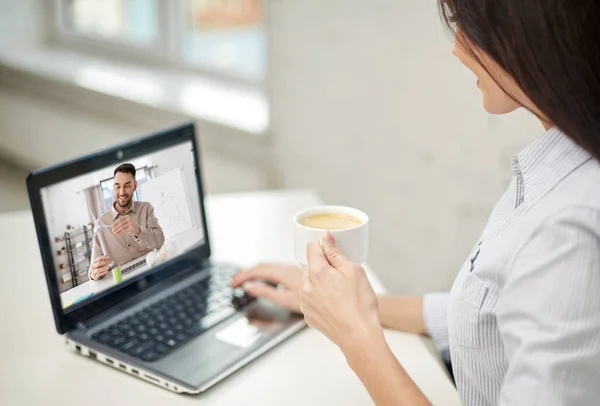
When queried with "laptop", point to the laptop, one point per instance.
{"points": [[163, 312]]}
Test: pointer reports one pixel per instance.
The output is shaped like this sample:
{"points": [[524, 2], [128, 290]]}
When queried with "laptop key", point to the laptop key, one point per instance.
{"points": [[161, 348], [198, 304], [141, 348], [150, 355], [209, 321], [128, 345], [103, 337], [116, 342], [124, 326]]}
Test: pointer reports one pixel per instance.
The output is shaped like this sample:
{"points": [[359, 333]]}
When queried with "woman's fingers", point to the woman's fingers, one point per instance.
{"points": [[269, 273], [285, 299], [316, 257], [317, 263], [334, 253]]}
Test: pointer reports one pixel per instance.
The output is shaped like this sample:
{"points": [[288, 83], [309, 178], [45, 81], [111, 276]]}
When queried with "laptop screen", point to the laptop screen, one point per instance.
{"points": [[121, 221]]}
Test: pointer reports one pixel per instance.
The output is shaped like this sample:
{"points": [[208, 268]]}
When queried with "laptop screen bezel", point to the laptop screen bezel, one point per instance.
{"points": [[37, 180]]}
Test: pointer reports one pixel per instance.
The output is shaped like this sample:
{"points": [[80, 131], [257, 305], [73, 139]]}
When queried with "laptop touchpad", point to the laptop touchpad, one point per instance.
{"points": [[242, 333], [259, 321]]}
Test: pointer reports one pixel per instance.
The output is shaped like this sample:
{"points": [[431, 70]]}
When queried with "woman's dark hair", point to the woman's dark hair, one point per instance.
{"points": [[550, 47], [126, 168]]}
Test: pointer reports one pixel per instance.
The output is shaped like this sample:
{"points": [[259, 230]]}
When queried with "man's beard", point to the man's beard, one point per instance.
{"points": [[124, 204]]}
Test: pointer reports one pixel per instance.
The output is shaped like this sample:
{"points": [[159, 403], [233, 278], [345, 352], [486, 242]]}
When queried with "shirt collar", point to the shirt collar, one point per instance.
{"points": [[547, 161], [115, 213]]}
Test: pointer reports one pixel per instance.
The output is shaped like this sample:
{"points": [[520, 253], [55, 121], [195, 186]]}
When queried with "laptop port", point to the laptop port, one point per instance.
{"points": [[135, 371], [153, 379], [122, 366], [110, 361]]}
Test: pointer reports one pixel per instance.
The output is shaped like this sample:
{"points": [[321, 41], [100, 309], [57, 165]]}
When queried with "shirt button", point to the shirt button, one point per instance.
{"points": [[130, 245]]}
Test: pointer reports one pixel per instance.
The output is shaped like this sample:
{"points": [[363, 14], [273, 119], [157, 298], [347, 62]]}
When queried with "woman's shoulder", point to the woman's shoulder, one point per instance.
{"points": [[572, 202], [580, 188]]}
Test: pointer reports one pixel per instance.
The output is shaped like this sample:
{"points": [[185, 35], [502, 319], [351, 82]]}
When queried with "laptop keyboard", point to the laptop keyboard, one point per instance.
{"points": [[162, 327]]}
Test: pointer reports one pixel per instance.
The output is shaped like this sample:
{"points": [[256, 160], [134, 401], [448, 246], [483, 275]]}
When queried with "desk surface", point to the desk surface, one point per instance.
{"points": [[38, 368]]}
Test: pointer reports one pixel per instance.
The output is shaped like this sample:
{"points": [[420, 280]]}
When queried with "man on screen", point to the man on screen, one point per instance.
{"points": [[135, 229]]}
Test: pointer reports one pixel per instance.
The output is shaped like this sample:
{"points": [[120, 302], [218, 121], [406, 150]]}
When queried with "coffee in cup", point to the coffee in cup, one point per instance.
{"points": [[349, 227], [330, 221]]}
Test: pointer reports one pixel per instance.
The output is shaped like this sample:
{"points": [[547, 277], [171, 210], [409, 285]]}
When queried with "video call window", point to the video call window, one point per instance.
{"points": [[120, 221]]}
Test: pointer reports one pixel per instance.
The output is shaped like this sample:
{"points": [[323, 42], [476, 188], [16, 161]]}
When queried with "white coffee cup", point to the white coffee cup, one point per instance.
{"points": [[353, 241]]}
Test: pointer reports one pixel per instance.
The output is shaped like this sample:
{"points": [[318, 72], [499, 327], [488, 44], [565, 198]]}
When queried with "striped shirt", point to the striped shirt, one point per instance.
{"points": [[522, 322]]}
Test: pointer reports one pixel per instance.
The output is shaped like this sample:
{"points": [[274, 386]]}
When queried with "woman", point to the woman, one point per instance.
{"points": [[522, 323]]}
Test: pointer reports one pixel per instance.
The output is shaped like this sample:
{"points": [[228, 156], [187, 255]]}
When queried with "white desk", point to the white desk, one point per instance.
{"points": [[36, 368]]}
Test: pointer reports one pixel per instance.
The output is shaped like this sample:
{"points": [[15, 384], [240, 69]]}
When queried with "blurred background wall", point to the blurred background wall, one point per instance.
{"points": [[362, 101]]}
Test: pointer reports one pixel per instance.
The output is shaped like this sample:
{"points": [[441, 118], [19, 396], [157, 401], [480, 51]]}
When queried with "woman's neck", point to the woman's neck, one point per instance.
{"points": [[546, 124]]}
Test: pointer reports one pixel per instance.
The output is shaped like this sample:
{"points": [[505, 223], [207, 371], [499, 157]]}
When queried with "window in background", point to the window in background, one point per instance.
{"points": [[222, 37], [226, 36], [131, 21]]}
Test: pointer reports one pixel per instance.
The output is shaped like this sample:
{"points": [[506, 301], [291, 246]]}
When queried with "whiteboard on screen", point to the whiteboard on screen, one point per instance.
{"points": [[168, 195]]}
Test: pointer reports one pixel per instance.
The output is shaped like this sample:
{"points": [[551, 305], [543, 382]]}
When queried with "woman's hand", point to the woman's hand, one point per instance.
{"points": [[337, 298], [288, 277]]}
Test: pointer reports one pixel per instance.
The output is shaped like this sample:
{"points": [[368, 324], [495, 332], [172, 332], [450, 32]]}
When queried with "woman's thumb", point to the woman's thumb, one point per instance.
{"points": [[333, 252]]}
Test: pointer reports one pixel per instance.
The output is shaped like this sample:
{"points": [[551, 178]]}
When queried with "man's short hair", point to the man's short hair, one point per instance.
{"points": [[125, 168]]}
